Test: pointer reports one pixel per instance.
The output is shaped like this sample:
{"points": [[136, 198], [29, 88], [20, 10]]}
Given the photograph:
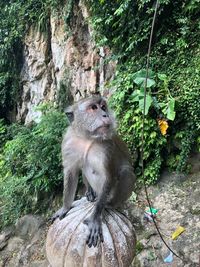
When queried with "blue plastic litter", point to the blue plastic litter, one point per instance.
{"points": [[169, 258]]}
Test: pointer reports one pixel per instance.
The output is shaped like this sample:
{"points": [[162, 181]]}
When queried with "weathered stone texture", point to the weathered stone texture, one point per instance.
{"points": [[68, 56]]}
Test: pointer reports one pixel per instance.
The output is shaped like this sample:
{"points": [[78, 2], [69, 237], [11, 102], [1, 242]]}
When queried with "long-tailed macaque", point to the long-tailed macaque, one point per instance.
{"points": [[92, 145]]}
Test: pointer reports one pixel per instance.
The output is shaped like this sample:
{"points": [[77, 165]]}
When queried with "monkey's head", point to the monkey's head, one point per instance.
{"points": [[92, 118]]}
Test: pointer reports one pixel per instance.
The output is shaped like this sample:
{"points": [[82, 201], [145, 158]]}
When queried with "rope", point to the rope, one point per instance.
{"points": [[143, 118]]}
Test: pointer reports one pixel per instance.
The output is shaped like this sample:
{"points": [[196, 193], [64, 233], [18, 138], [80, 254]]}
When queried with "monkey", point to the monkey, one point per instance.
{"points": [[92, 145]]}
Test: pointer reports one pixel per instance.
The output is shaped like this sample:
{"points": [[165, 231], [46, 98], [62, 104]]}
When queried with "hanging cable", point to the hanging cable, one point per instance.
{"points": [[143, 118]]}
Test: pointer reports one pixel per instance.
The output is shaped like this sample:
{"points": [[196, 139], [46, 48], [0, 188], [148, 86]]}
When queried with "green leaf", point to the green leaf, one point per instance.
{"points": [[170, 110], [135, 96], [162, 77], [140, 78], [149, 101], [142, 73], [162, 105], [141, 81], [150, 83], [155, 102]]}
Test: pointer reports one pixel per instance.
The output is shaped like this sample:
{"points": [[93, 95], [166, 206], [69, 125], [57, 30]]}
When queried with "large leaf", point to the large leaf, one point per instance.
{"points": [[149, 101], [135, 96], [140, 78], [138, 96], [142, 73], [170, 110]]}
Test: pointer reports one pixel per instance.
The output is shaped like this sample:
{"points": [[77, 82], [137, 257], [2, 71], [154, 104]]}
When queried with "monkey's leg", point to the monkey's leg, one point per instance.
{"points": [[94, 222], [70, 185]]}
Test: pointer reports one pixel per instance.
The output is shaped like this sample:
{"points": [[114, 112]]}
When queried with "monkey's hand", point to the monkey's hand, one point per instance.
{"points": [[61, 213], [95, 229]]}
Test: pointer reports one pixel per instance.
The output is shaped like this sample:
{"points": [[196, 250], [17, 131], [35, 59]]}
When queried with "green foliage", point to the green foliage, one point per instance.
{"points": [[130, 115], [167, 106], [139, 247], [124, 24], [172, 86], [30, 164], [3, 132], [64, 97], [68, 12]]}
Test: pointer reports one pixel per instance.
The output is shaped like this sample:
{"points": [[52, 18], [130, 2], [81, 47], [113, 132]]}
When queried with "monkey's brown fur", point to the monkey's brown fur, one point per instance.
{"points": [[92, 145]]}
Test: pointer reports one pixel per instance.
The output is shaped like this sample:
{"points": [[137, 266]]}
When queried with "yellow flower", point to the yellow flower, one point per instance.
{"points": [[163, 125]]}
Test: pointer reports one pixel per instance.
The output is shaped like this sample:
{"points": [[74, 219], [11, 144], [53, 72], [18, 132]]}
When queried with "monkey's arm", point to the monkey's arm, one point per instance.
{"points": [[70, 185], [94, 221]]}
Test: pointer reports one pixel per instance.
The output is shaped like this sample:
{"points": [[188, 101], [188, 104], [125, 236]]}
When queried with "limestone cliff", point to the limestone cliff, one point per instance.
{"points": [[61, 64]]}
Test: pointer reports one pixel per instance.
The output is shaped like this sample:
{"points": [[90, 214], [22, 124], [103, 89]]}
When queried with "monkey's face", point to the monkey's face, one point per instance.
{"points": [[93, 118]]}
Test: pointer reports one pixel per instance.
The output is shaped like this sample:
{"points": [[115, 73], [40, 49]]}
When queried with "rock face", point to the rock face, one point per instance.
{"points": [[60, 63], [66, 240]]}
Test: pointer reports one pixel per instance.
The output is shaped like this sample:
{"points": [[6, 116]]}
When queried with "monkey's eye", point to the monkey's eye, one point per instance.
{"points": [[94, 107], [103, 108]]}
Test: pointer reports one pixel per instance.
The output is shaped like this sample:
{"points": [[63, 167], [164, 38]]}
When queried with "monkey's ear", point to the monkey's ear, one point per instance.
{"points": [[69, 111]]}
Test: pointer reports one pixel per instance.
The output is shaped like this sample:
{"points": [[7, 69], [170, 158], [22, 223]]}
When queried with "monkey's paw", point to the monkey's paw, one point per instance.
{"points": [[61, 213], [91, 195], [95, 234]]}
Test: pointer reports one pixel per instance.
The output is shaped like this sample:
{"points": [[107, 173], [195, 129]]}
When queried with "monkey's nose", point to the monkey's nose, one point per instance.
{"points": [[105, 116]]}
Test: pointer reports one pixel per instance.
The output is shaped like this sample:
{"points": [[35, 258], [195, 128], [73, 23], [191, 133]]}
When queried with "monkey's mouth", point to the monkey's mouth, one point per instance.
{"points": [[103, 129], [104, 126]]}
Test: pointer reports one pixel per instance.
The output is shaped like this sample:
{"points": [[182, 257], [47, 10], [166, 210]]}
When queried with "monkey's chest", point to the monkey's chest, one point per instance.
{"points": [[94, 170], [94, 177]]}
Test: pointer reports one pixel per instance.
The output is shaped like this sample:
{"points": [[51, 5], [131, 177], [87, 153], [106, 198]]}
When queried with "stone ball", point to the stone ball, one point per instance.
{"points": [[66, 240]]}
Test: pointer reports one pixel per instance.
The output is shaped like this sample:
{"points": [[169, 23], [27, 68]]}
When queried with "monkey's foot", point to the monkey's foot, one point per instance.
{"points": [[91, 195], [95, 234], [61, 213]]}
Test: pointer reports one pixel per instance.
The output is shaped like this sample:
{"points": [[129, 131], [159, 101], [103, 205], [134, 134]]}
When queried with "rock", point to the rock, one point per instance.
{"points": [[193, 161], [176, 206], [28, 226], [195, 209], [24, 243], [59, 58], [3, 243], [66, 240], [43, 263], [4, 236], [15, 243]]}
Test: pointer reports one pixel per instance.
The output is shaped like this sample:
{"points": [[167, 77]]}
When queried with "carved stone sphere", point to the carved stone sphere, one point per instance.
{"points": [[66, 240]]}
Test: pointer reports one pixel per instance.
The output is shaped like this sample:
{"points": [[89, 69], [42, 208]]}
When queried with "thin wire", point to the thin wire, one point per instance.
{"points": [[143, 118]]}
